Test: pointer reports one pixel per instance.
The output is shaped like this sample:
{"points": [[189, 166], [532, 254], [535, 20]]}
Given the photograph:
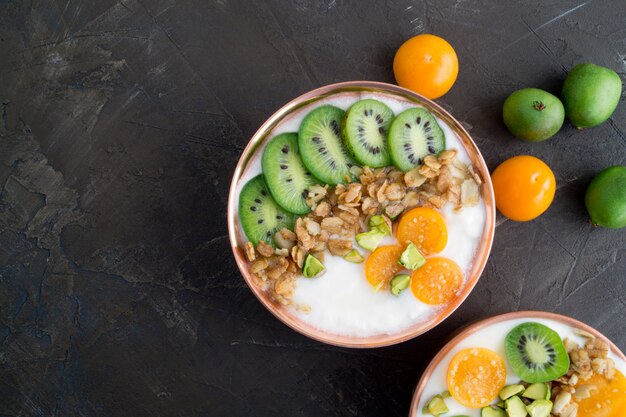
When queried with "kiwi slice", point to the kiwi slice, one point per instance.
{"points": [[259, 214], [364, 132], [285, 174], [320, 146], [414, 134], [536, 353]]}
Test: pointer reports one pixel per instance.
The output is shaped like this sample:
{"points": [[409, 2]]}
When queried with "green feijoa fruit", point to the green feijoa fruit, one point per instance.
{"points": [[511, 390], [491, 411], [259, 214], [538, 391], [321, 148], [590, 94], [536, 353], [411, 258], [414, 134], [532, 114], [382, 223], [437, 406], [286, 176], [370, 240], [353, 256], [539, 408], [399, 283], [312, 267], [515, 407], [606, 198], [364, 132]]}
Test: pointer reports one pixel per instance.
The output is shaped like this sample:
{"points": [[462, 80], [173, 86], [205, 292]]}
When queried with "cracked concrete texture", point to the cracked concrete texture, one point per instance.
{"points": [[121, 123]]}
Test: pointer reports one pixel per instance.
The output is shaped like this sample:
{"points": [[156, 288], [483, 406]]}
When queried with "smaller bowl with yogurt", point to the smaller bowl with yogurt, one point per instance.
{"points": [[361, 214], [522, 364]]}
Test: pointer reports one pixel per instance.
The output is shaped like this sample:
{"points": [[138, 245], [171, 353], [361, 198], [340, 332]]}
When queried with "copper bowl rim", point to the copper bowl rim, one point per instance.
{"points": [[481, 324], [482, 253]]}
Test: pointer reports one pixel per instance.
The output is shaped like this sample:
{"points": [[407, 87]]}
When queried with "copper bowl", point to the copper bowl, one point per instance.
{"points": [[473, 328], [309, 100]]}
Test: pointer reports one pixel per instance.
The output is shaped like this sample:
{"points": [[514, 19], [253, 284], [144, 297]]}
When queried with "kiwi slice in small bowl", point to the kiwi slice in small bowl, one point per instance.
{"points": [[260, 216], [536, 353], [286, 176], [364, 132], [321, 148], [414, 134]]}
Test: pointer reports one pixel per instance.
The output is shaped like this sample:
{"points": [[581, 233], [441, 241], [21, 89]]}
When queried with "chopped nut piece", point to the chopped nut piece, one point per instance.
{"points": [[250, 252], [298, 254], [561, 401], [570, 410], [393, 210], [306, 240], [584, 391], [604, 366], [470, 195], [474, 175], [580, 360], [380, 194], [322, 209], [447, 156], [312, 226], [597, 348], [277, 267], [394, 192], [432, 162], [354, 193], [264, 249], [413, 178], [282, 252], [285, 238], [339, 247], [258, 266], [333, 224]]}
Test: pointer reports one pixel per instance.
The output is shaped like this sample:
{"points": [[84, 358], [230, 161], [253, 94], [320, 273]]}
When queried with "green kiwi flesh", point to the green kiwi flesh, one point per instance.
{"points": [[364, 132], [286, 176], [259, 214], [536, 353], [320, 146], [414, 134]]}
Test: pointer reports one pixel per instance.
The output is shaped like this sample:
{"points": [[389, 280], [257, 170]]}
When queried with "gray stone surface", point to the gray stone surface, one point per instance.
{"points": [[121, 124]]}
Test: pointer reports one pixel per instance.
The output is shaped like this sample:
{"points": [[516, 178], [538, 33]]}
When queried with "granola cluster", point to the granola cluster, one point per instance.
{"points": [[339, 213], [585, 361]]}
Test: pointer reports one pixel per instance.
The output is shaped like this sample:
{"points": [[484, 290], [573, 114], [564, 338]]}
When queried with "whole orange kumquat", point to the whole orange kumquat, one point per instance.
{"points": [[524, 187], [426, 64]]}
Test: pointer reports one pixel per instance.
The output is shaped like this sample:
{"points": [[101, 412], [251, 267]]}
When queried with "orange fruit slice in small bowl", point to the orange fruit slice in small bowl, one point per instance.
{"points": [[425, 227], [438, 281], [382, 265], [476, 376], [608, 398]]}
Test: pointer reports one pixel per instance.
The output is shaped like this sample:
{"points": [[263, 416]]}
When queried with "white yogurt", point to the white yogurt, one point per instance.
{"points": [[342, 301], [492, 337]]}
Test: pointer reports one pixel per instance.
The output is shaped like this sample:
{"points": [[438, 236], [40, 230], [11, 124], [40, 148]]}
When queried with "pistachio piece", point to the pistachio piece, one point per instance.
{"points": [[400, 283], [411, 258], [381, 223], [370, 240], [353, 256], [312, 267]]}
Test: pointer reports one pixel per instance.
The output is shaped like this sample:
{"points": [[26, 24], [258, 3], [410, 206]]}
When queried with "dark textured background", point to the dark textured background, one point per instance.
{"points": [[121, 124]]}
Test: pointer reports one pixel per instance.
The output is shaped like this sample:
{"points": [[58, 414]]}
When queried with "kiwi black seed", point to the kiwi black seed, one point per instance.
{"points": [[259, 214], [286, 176], [536, 353], [320, 146], [414, 134], [364, 132]]}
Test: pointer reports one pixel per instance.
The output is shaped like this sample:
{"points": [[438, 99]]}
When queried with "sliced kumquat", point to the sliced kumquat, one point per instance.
{"points": [[476, 376], [382, 265], [438, 281], [608, 398], [425, 227]]}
